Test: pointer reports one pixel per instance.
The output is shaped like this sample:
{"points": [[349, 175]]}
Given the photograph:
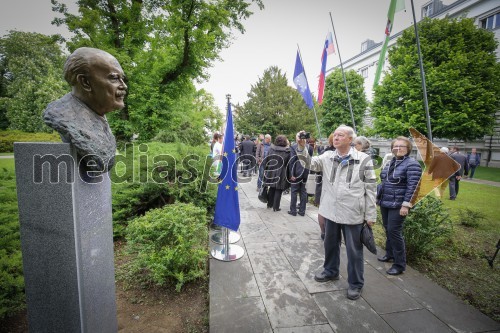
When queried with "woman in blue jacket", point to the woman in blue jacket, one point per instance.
{"points": [[399, 178]]}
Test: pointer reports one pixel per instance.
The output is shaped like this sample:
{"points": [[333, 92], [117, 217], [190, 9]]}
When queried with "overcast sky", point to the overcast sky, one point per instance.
{"points": [[271, 37]]}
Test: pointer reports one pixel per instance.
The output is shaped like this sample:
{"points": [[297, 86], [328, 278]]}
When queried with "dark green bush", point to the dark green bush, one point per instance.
{"points": [[11, 267], [152, 175], [427, 223], [170, 245], [7, 139], [470, 217]]}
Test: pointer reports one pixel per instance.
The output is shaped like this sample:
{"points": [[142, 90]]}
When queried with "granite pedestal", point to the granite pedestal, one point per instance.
{"points": [[66, 240]]}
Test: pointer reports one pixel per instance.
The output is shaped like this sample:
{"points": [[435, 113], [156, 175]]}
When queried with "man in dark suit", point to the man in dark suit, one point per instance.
{"points": [[247, 155], [464, 170], [298, 176]]}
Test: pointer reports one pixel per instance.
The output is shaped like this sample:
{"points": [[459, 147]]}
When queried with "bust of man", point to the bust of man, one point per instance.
{"points": [[98, 87]]}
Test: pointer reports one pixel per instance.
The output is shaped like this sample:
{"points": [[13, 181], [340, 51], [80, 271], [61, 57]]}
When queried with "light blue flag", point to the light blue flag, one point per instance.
{"points": [[227, 208], [300, 80]]}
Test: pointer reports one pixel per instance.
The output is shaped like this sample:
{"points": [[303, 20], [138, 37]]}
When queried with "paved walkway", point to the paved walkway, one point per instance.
{"points": [[272, 289]]}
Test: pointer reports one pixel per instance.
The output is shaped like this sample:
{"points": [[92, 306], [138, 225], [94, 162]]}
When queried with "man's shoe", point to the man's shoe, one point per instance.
{"points": [[385, 259], [394, 271], [353, 293], [302, 214], [292, 213], [322, 277]]}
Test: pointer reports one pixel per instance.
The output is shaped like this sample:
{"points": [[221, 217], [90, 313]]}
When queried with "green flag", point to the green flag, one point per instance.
{"points": [[395, 6]]}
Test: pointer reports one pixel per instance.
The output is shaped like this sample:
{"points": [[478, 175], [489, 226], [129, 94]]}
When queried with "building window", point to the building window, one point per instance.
{"points": [[364, 46], [364, 72], [428, 10], [491, 22]]}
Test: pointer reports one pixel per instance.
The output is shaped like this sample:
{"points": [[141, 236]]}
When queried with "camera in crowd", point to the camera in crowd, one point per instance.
{"points": [[304, 135]]}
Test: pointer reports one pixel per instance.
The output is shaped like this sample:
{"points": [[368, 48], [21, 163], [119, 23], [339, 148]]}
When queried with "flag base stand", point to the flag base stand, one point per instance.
{"points": [[218, 237], [226, 251]]}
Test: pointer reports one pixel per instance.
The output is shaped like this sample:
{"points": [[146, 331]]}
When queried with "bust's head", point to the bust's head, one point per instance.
{"points": [[97, 79]]}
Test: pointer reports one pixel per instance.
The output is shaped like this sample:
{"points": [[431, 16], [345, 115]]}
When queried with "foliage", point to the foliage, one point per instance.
{"points": [[11, 268], [335, 106], [171, 244], [152, 175], [32, 78], [205, 115], [274, 107], [427, 223], [162, 46], [462, 76], [470, 217], [7, 139]]}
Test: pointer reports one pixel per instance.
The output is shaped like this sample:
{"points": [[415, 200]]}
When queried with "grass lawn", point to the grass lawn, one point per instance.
{"points": [[7, 163], [484, 173], [6, 154]]}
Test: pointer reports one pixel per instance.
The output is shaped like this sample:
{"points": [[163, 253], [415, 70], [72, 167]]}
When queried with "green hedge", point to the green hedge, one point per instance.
{"points": [[139, 184], [7, 139], [170, 245]]}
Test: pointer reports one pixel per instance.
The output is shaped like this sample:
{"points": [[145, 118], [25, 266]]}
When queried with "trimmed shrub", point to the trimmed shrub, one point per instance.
{"points": [[7, 139], [11, 266], [470, 217], [170, 245], [427, 223]]}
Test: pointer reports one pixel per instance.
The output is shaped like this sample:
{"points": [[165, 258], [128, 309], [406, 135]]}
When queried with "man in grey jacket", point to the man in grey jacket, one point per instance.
{"points": [[464, 170], [348, 198]]}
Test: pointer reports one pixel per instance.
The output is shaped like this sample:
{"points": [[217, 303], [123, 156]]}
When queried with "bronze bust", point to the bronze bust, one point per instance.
{"points": [[98, 87]]}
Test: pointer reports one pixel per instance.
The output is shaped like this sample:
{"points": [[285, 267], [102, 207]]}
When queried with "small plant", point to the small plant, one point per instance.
{"points": [[470, 217], [427, 223], [170, 245]]}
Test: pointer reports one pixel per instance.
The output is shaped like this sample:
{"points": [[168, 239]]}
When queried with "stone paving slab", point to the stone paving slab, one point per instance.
{"points": [[287, 301], [242, 315], [305, 329], [421, 321], [267, 258], [233, 279], [349, 316]]}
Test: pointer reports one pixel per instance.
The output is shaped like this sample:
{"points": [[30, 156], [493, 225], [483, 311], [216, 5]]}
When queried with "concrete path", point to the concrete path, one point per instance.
{"points": [[272, 288]]}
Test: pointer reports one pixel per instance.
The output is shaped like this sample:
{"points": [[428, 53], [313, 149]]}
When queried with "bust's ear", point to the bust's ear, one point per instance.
{"points": [[83, 82]]}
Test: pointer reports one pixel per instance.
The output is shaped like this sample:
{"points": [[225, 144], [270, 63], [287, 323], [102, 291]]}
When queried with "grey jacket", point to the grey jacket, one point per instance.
{"points": [[347, 197]]}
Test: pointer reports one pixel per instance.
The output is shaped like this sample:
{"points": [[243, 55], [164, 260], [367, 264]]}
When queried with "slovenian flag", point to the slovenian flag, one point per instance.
{"points": [[327, 49]]}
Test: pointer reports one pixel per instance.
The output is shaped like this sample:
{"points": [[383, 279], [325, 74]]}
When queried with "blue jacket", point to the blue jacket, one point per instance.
{"points": [[399, 184], [296, 169]]}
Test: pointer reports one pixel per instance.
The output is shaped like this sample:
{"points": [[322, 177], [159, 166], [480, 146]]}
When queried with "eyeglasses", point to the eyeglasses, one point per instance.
{"points": [[399, 147]]}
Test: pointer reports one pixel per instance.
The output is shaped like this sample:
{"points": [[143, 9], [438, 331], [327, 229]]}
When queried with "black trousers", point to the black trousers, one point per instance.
{"points": [[299, 187], [274, 198]]}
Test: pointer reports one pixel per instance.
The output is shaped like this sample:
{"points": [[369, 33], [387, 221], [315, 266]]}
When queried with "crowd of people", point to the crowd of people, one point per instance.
{"points": [[346, 190]]}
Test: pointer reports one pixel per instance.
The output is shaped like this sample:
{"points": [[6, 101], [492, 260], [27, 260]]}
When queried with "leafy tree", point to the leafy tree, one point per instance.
{"points": [[32, 77], [335, 106], [162, 46], [462, 77], [274, 107], [4, 122]]}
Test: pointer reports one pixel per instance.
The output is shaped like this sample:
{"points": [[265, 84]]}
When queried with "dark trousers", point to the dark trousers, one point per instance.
{"points": [[454, 187], [298, 188], [472, 170], [354, 249], [274, 198], [395, 243]]}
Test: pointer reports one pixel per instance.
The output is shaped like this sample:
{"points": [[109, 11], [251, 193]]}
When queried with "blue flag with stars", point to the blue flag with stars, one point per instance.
{"points": [[300, 80], [227, 207]]}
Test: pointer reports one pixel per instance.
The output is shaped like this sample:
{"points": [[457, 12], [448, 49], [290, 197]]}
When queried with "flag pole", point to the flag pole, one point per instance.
{"points": [[422, 75], [314, 108], [343, 75]]}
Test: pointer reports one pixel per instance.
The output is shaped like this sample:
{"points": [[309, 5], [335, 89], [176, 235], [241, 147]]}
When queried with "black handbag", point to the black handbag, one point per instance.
{"points": [[367, 238], [263, 194]]}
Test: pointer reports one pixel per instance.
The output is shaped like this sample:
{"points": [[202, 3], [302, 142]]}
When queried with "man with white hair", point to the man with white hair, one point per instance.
{"points": [[348, 198]]}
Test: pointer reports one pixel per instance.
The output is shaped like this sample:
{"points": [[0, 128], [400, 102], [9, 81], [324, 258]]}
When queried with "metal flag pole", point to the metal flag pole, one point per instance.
{"points": [[224, 250], [343, 75], [422, 74], [314, 109]]}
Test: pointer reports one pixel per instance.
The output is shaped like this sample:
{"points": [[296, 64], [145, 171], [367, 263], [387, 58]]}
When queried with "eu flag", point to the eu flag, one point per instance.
{"points": [[300, 80], [227, 208]]}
